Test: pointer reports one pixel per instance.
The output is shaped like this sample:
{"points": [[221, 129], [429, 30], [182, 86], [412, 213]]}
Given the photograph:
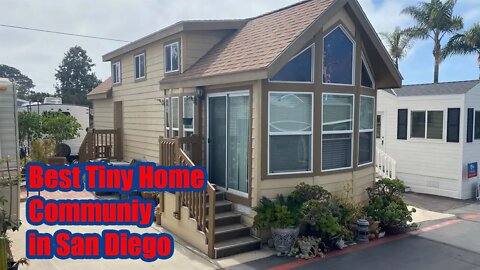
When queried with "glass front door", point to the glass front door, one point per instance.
{"points": [[228, 133]]}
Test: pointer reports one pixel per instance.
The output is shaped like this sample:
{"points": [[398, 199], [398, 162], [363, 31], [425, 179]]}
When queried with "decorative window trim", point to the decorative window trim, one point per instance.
{"points": [[372, 130], [144, 66], [338, 132], [354, 46], [306, 133], [367, 66], [171, 59], [117, 78], [425, 137], [312, 46], [192, 129]]}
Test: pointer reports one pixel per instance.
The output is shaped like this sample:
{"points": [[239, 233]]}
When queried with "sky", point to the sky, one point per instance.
{"points": [[38, 54]]}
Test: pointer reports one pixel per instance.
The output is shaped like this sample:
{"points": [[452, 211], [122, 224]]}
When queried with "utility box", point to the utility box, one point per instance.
{"points": [[9, 157]]}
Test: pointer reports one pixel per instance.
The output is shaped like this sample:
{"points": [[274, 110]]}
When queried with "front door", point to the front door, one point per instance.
{"points": [[228, 144]]}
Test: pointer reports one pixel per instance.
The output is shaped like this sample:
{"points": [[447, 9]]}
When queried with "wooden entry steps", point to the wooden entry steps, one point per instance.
{"points": [[231, 236]]}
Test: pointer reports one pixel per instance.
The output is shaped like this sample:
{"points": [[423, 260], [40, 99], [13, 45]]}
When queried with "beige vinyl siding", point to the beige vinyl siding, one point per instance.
{"points": [[103, 114], [197, 44], [142, 111]]}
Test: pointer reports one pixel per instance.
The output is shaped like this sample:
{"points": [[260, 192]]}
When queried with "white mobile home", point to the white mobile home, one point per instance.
{"points": [[8, 123], [432, 133]]}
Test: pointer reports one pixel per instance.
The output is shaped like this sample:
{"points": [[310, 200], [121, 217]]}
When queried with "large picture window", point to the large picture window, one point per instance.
{"points": [[337, 130], [298, 69], [290, 132], [365, 141], [338, 60], [172, 57], [175, 117], [427, 124], [140, 66]]}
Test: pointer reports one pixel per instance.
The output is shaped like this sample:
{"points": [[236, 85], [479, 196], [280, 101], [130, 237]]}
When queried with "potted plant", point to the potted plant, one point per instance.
{"points": [[282, 221]]}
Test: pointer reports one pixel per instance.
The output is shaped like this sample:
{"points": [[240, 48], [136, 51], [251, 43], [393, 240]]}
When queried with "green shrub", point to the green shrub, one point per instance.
{"points": [[319, 215], [387, 206], [42, 150], [304, 192], [274, 214]]}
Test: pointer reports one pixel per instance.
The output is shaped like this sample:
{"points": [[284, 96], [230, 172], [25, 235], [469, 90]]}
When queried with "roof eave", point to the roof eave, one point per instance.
{"points": [[175, 29], [229, 78]]}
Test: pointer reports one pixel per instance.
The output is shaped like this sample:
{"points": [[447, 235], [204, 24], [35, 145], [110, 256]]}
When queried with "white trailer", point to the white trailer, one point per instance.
{"points": [[9, 190], [81, 113]]}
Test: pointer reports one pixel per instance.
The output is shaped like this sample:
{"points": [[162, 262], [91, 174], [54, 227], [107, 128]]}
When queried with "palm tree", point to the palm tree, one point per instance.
{"points": [[466, 43], [398, 43], [434, 19]]}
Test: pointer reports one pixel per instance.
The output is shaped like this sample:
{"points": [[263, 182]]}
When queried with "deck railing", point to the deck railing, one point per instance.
{"points": [[174, 152], [101, 143], [385, 165]]}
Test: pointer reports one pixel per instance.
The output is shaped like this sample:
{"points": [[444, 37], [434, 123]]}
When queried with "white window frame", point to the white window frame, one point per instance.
{"points": [[338, 132], [372, 130], [312, 62], [474, 126], [310, 133], [117, 72], [144, 66], [367, 66], [354, 46], [192, 129], [178, 118], [426, 125], [168, 128], [171, 59]]}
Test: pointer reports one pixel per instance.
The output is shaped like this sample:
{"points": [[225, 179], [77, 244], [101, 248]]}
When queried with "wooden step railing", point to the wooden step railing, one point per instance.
{"points": [[173, 152], [385, 165], [101, 143]]}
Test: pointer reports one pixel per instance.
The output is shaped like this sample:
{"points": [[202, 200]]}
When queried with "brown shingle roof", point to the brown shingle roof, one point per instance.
{"points": [[102, 88], [258, 43]]}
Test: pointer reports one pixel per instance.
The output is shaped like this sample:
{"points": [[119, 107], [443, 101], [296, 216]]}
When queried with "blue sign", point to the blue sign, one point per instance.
{"points": [[472, 170]]}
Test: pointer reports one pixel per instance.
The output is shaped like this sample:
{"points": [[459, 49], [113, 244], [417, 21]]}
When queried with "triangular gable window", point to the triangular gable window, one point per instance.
{"points": [[298, 69], [367, 80]]}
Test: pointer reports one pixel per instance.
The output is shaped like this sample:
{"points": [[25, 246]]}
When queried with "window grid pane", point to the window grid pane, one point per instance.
{"points": [[175, 113], [435, 125], [337, 112], [298, 69], [290, 132], [477, 125], [188, 111], [367, 105], [418, 125], [338, 58], [365, 149]]}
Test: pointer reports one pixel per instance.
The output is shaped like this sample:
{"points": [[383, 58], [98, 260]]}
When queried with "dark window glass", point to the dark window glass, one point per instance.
{"points": [[337, 58], [290, 153], [477, 125], [418, 125], [168, 59], [435, 125], [470, 115], [378, 131], [366, 79], [365, 153], [453, 125], [336, 151], [402, 124], [298, 69]]}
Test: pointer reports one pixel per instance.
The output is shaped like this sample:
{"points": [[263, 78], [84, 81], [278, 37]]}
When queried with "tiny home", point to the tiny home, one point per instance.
{"points": [[9, 166], [432, 133], [263, 103]]}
